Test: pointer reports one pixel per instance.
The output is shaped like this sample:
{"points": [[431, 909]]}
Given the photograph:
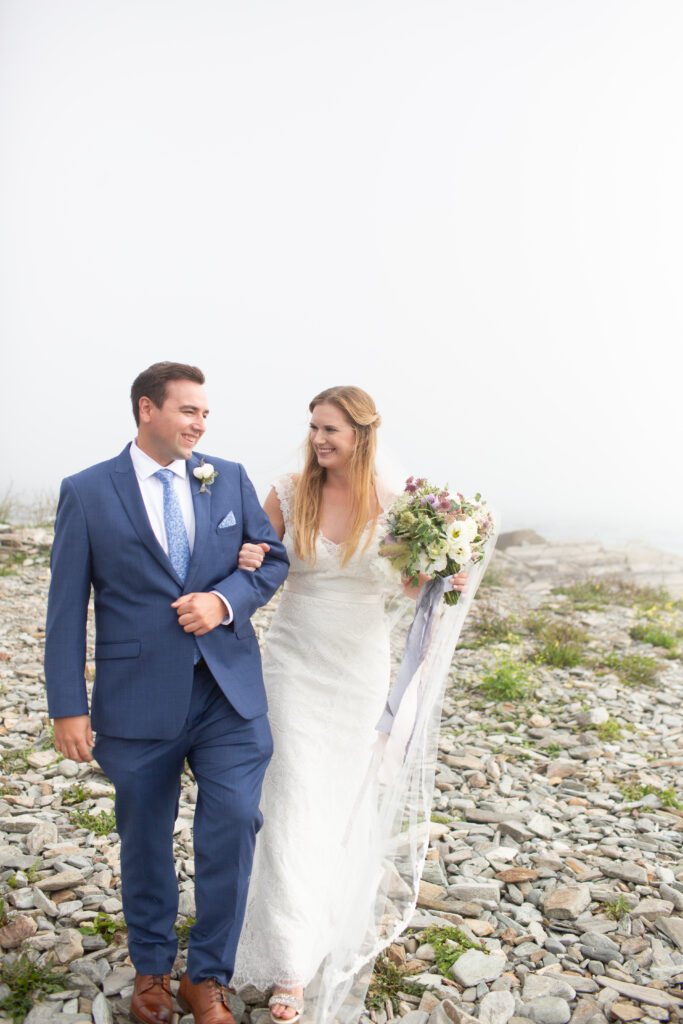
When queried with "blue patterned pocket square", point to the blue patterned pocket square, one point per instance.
{"points": [[228, 521]]}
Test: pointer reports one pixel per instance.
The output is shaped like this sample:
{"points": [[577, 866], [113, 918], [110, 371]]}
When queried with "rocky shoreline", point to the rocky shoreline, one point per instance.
{"points": [[553, 889]]}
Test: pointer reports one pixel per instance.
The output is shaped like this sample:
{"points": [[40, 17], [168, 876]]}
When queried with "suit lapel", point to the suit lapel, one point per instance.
{"points": [[202, 521], [127, 487]]}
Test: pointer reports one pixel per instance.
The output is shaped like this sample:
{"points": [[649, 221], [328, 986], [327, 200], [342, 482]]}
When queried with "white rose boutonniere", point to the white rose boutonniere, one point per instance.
{"points": [[206, 473]]}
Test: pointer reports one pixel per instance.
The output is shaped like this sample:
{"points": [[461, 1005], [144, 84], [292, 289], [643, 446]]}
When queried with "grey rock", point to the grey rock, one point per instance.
{"points": [[475, 891], [119, 978], [541, 825], [548, 1010], [39, 837], [536, 986], [10, 857], [44, 903], [474, 966], [416, 1017], [625, 870], [600, 947], [672, 927], [101, 1010], [566, 903], [20, 824], [496, 1008], [69, 946], [62, 880], [667, 892]]}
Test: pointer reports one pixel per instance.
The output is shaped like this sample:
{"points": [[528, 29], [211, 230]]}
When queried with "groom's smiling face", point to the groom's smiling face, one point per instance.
{"points": [[171, 431]]}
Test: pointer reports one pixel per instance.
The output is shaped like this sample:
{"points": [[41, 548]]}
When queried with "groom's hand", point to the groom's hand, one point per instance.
{"points": [[199, 613], [73, 737]]}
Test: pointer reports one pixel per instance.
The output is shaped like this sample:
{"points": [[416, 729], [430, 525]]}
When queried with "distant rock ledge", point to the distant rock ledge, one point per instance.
{"points": [[532, 560]]}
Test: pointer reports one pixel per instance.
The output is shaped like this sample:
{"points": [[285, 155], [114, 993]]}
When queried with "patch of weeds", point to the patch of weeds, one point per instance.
{"points": [[656, 636], [28, 985], [101, 824], [13, 563], [594, 594], [667, 797], [616, 909], [15, 760], [74, 794], [553, 749], [448, 944], [486, 626], [32, 872], [562, 645], [386, 983], [4, 918], [182, 930], [633, 669], [536, 624], [508, 682], [49, 741], [609, 731], [440, 819], [105, 926], [12, 882]]}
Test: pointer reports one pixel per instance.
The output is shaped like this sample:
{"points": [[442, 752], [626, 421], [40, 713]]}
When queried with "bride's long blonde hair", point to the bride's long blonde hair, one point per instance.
{"points": [[361, 413]]}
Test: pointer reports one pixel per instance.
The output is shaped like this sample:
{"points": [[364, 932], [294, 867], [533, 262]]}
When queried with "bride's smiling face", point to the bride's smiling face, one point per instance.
{"points": [[332, 436]]}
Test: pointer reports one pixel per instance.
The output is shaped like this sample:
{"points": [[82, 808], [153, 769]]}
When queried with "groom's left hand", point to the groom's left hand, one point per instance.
{"points": [[199, 613]]}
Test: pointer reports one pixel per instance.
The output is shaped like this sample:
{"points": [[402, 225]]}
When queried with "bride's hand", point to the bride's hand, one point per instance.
{"points": [[251, 556], [459, 580], [412, 591]]}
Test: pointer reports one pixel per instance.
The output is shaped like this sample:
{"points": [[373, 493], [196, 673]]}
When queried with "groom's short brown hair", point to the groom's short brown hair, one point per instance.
{"points": [[152, 383]]}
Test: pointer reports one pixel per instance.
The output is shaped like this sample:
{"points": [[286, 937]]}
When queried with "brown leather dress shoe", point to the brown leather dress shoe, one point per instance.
{"points": [[151, 1002], [208, 1001]]}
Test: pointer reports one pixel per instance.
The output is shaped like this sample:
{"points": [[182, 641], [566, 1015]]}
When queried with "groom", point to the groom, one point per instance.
{"points": [[156, 533]]}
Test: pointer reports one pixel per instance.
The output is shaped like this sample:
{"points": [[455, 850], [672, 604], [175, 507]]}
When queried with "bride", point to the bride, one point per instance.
{"points": [[327, 671]]}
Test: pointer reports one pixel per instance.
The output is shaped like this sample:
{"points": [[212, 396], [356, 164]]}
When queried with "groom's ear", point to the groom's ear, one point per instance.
{"points": [[145, 407]]}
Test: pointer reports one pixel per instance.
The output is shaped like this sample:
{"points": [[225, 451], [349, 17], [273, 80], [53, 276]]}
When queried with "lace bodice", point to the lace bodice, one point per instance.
{"points": [[361, 576]]}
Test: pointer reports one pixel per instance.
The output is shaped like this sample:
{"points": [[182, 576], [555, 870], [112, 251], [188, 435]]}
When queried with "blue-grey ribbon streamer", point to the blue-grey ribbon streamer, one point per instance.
{"points": [[417, 643]]}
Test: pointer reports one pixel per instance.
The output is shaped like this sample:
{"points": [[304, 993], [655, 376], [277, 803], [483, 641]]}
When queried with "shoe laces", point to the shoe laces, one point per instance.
{"points": [[219, 992], [160, 979]]}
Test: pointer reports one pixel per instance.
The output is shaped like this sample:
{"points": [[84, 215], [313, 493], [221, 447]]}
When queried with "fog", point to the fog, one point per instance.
{"points": [[471, 209]]}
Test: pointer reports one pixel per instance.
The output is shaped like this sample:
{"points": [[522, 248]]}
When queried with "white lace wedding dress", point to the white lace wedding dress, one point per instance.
{"points": [[327, 669]]}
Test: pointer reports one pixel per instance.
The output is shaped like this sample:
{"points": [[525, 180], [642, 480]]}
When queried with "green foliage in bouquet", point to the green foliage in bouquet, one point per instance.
{"points": [[434, 533]]}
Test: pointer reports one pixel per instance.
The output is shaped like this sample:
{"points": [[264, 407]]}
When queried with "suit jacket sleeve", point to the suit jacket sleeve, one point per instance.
{"points": [[246, 591], [67, 608]]}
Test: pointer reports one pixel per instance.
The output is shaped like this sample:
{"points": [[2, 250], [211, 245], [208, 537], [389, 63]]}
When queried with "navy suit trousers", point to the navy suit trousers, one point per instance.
{"points": [[228, 756]]}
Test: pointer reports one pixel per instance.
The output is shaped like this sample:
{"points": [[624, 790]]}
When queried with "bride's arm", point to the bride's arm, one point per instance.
{"points": [[251, 555]]}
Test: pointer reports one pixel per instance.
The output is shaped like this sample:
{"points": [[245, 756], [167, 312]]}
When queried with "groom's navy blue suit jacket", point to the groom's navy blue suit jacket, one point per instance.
{"points": [[143, 658]]}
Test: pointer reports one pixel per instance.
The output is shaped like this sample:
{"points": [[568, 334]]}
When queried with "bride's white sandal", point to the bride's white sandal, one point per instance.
{"points": [[296, 1003]]}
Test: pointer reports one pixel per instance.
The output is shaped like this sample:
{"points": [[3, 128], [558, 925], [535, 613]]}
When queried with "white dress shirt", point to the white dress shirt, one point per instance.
{"points": [[152, 491]]}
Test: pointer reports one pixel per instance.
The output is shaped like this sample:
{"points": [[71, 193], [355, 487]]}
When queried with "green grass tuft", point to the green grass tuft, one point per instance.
{"points": [[448, 944], [101, 824], [386, 983], [508, 682], [28, 985], [633, 669]]}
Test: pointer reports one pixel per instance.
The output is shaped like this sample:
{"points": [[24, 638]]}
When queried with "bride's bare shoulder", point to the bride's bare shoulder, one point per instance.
{"points": [[278, 502]]}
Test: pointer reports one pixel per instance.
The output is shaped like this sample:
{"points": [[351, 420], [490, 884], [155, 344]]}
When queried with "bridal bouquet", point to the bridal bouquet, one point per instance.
{"points": [[435, 533]]}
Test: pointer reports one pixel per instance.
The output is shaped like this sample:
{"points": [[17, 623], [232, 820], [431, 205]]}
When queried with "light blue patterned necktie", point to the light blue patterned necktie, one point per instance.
{"points": [[176, 534], [174, 524]]}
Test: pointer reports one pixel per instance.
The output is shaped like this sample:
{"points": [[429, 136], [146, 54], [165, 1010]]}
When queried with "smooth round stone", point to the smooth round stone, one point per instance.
{"points": [[496, 1008], [548, 1010]]}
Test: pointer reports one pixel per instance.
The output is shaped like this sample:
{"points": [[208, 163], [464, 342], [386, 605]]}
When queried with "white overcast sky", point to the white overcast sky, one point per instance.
{"points": [[472, 209]]}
